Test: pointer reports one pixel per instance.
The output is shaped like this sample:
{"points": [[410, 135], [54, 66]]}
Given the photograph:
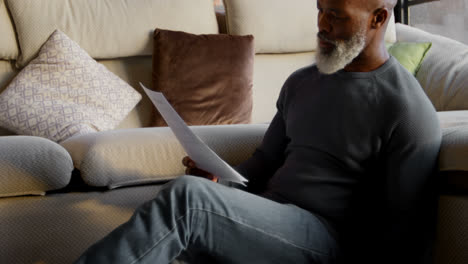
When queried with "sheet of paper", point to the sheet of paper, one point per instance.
{"points": [[205, 158]]}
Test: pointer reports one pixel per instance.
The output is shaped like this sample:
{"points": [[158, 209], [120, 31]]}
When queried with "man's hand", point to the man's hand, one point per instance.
{"points": [[192, 169]]}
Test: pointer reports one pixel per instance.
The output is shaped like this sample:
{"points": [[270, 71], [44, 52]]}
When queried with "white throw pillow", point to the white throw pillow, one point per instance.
{"points": [[64, 92], [443, 71]]}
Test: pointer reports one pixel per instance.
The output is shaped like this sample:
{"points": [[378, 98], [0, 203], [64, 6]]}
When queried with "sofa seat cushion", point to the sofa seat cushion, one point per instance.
{"points": [[32, 166], [58, 228], [137, 156], [107, 28]]}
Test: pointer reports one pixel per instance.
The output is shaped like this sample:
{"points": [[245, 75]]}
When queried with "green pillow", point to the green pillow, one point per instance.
{"points": [[409, 54]]}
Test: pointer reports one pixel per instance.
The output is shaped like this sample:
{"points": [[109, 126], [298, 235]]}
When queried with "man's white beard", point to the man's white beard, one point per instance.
{"points": [[344, 52]]}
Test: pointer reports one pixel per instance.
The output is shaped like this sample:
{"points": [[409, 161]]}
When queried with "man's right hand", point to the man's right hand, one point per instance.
{"points": [[192, 169]]}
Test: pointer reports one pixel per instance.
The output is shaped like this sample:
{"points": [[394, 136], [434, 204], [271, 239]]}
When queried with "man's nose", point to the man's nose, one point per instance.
{"points": [[323, 24]]}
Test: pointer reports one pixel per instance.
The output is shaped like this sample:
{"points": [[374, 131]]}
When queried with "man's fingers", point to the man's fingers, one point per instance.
{"points": [[213, 178], [188, 162], [185, 160], [197, 172], [191, 169]]}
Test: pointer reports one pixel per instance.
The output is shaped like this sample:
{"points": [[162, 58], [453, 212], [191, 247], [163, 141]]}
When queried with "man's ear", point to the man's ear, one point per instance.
{"points": [[380, 17]]}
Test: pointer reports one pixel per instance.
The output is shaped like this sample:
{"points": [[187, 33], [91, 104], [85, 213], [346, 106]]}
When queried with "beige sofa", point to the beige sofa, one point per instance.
{"points": [[100, 178]]}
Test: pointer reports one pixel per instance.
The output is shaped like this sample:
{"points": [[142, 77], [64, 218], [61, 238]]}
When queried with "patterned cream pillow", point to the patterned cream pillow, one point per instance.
{"points": [[64, 92]]}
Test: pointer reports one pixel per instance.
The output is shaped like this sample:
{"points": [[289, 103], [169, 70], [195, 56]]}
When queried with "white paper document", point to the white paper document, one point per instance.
{"points": [[204, 158]]}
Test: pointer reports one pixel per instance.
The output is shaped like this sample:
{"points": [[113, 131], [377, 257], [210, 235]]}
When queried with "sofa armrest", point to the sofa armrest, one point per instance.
{"points": [[32, 166], [454, 149], [143, 155], [453, 159], [443, 71]]}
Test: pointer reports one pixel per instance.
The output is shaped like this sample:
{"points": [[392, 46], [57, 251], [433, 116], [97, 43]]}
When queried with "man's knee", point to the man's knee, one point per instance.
{"points": [[188, 181], [190, 187]]}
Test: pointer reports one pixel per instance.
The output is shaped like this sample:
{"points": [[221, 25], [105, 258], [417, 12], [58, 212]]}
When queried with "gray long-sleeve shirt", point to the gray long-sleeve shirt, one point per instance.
{"points": [[358, 149]]}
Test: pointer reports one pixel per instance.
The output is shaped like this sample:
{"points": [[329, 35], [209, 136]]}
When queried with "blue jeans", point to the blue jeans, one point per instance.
{"points": [[198, 217]]}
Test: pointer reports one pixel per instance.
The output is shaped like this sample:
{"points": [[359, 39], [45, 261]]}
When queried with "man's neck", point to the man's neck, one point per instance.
{"points": [[370, 59]]}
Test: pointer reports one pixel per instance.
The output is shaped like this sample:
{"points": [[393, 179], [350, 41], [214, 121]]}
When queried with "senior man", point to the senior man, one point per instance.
{"points": [[344, 174]]}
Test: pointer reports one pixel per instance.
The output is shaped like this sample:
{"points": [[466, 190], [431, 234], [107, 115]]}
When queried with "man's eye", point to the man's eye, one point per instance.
{"points": [[335, 17]]}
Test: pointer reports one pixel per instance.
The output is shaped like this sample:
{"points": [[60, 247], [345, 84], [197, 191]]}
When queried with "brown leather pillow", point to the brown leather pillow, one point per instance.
{"points": [[207, 78]]}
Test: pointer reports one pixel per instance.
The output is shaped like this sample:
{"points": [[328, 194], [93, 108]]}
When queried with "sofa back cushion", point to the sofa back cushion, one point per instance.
{"points": [[280, 26], [443, 71], [107, 28], [274, 23], [7, 72], [390, 35], [270, 72], [134, 70], [8, 46]]}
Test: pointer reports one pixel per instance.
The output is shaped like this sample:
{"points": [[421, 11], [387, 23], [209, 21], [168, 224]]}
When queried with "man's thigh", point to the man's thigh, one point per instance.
{"points": [[235, 226]]}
